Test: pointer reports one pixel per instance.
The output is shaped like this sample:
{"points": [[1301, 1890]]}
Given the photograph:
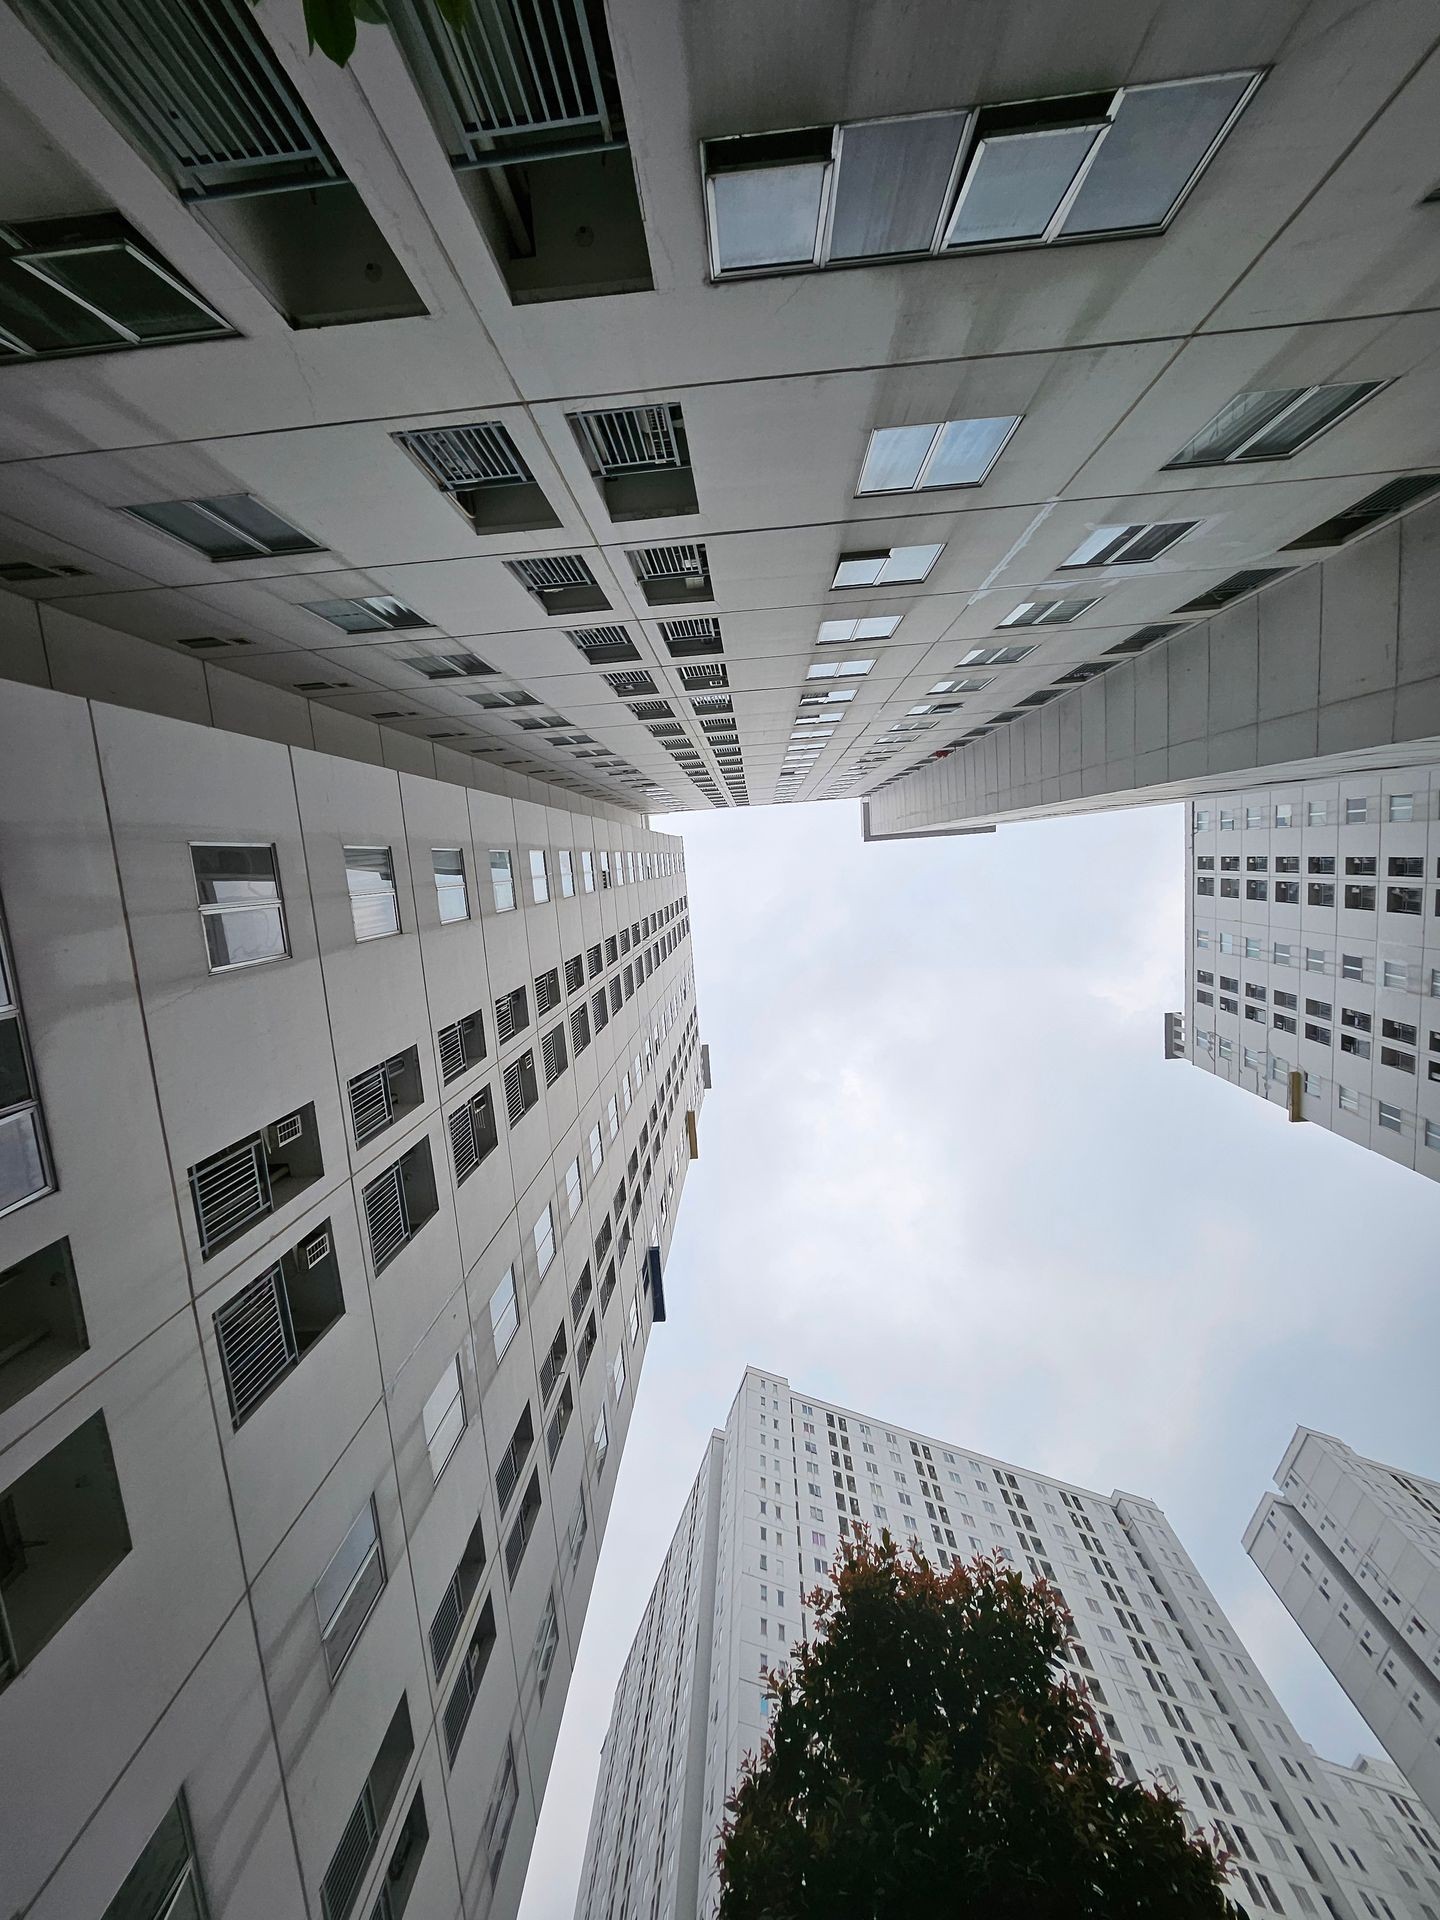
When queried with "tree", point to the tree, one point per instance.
{"points": [[927, 1757], [331, 24]]}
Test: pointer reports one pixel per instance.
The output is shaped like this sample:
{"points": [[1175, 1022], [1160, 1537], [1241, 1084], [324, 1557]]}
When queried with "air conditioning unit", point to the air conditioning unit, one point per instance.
{"points": [[317, 1249], [285, 1132]]}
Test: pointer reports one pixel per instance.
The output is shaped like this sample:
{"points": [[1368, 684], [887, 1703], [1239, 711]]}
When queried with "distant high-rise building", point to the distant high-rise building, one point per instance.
{"points": [[1352, 1548], [1311, 967], [1181, 1701], [344, 1116]]}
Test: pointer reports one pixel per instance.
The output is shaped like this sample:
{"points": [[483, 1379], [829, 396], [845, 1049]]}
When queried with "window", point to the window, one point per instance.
{"points": [[539, 876], [596, 1147], [543, 1235], [379, 613], [1129, 546], [1044, 613], [231, 1191], [501, 1812], [242, 915], [370, 878], [567, 873], [553, 1054], [996, 656], [617, 1373], [512, 1014], [1400, 806], [601, 1439], [519, 1535], [502, 880], [351, 1860], [474, 1134], [62, 1533], [264, 1331], [579, 1030], [834, 633], [1400, 899], [480, 469], [349, 1587], [1271, 424], [522, 1090], [512, 1461], [574, 1189], [1348, 1098], [1360, 899], [504, 1313], [24, 1156], [1389, 1117], [444, 1417], [461, 1046], [450, 889], [460, 1590], [885, 566], [973, 176], [398, 1203], [587, 870], [946, 453], [232, 526], [42, 1326], [383, 1094]]}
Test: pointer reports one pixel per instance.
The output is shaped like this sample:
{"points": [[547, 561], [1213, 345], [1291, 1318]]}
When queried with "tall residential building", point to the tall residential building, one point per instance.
{"points": [[1312, 956], [1353, 1550], [344, 1116], [681, 404], [1179, 1697]]}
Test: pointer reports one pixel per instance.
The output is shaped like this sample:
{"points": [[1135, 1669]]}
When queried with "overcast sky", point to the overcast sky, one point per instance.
{"points": [[947, 1175]]}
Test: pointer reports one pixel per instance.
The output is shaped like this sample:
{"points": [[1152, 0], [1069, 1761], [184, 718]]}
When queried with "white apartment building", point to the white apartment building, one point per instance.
{"points": [[677, 404], [1180, 1699], [1353, 1550], [1313, 957], [344, 1116]]}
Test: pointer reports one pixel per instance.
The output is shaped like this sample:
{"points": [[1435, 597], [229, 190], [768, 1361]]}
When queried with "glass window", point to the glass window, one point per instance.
{"points": [[886, 566], [444, 1417], [539, 876], [450, 888], [241, 912], [587, 869], [232, 526], [164, 1883], [842, 632], [349, 1588], [24, 1168], [602, 1439], [504, 1313], [567, 873], [374, 905], [1271, 423], [543, 1234], [946, 453], [502, 880], [768, 215], [573, 1187]]}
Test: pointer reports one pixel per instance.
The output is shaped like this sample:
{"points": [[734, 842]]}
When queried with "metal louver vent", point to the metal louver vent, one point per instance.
{"points": [[231, 1191], [653, 710], [351, 1858], [626, 684], [686, 560], [446, 1623], [632, 439], [601, 645], [514, 78], [551, 571], [547, 990], [385, 1216], [196, 84], [696, 679], [1238, 584], [1146, 637], [452, 1052], [459, 458], [521, 1092], [554, 1054], [687, 638], [371, 1108], [1369, 512], [256, 1341]]}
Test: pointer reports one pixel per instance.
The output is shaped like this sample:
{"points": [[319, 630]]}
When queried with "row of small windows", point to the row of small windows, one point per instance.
{"points": [[1392, 973], [1355, 896], [1355, 810], [1388, 1116]]}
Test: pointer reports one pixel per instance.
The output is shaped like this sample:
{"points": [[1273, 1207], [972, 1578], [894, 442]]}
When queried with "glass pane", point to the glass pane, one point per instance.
{"points": [[150, 1884], [44, 318], [502, 881], [438, 1408], [504, 1314], [835, 631], [895, 457], [374, 915], [452, 900], [861, 572], [769, 216], [14, 1074], [448, 860], [1311, 417], [22, 1165], [226, 876], [351, 616], [891, 185], [240, 937], [123, 283], [253, 517], [1158, 137], [368, 869], [180, 519], [878, 627], [443, 1441], [909, 563], [1015, 183], [350, 1556], [967, 449], [1233, 425]]}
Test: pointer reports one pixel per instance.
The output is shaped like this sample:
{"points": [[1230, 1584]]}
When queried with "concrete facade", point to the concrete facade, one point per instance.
{"points": [[1312, 953], [320, 1320], [1291, 252], [1179, 1696], [1352, 1548]]}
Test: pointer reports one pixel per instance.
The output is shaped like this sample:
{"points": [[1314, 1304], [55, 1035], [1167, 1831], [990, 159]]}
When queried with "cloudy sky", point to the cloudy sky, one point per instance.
{"points": [[947, 1174]]}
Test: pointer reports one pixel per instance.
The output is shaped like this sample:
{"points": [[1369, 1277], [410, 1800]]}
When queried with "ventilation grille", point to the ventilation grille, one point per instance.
{"points": [[653, 710], [371, 1108], [445, 1623], [352, 1857], [256, 1341], [385, 1216], [230, 1191], [18, 573], [547, 990], [685, 561], [463, 1144], [554, 1055], [1146, 637], [552, 572], [1232, 589], [1369, 512], [196, 83], [603, 645], [459, 458], [628, 684], [620, 440], [696, 679]]}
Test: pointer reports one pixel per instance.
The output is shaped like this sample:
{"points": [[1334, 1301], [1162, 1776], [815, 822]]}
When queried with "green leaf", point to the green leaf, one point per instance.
{"points": [[331, 27]]}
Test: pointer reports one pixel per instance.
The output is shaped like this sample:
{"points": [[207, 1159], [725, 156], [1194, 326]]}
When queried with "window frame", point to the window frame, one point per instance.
{"points": [[217, 910]]}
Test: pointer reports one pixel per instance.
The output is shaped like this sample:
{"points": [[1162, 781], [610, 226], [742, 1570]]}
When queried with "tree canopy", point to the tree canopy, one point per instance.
{"points": [[927, 1755]]}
